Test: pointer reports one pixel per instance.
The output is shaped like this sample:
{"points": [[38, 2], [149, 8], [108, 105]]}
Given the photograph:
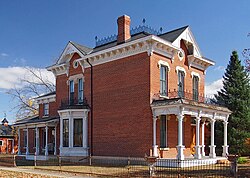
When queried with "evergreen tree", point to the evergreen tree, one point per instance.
{"points": [[235, 95]]}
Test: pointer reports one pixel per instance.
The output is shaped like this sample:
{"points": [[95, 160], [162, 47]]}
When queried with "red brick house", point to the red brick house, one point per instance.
{"points": [[8, 141], [139, 92]]}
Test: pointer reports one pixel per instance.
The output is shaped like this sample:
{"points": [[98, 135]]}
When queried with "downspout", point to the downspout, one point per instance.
{"points": [[91, 107]]}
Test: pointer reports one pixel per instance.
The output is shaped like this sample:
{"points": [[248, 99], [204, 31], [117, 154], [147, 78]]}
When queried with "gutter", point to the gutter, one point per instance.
{"points": [[91, 107]]}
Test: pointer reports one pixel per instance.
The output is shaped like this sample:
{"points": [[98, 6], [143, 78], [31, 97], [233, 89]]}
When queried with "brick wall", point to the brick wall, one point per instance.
{"points": [[122, 114], [172, 74]]}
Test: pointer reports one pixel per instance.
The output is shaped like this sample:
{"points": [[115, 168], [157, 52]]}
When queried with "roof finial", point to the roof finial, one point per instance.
{"points": [[161, 30], [4, 114], [143, 21]]}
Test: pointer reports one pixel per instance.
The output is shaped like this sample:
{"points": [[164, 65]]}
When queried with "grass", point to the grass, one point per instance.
{"points": [[114, 170]]}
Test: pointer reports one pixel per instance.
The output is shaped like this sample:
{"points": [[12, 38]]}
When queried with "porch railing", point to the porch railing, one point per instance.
{"points": [[74, 103], [193, 96]]}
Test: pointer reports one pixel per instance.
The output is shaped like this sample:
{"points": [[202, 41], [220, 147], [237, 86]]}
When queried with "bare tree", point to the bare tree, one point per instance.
{"points": [[32, 85], [246, 55]]}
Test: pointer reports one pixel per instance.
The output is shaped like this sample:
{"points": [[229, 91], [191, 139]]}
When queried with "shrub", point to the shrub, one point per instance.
{"points": [[242, 160]]}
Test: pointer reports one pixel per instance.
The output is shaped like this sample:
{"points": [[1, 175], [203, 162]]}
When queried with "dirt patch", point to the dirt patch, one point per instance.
{"points": [[9, 174]]}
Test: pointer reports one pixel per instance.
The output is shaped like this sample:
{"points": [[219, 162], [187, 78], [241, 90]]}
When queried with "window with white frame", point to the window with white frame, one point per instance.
{"points": [[195, 88], [65, 132], [71, 91], [46, 109], [1, 142], [80, 90], [163, 131], [163, 80], [181, 79], [78, 132]]}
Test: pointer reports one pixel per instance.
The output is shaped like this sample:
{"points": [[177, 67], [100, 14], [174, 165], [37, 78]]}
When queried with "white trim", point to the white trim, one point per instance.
{"points": [[183, 54], [199, 62], [195, 74], [75, 64], [2, 142], [75, 78], [164, 63], [178, 68], [211, 113], [147, 44], [46, 99]]}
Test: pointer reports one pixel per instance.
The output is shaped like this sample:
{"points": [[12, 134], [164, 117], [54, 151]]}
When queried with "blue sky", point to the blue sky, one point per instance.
{"points": [[34, 33]]}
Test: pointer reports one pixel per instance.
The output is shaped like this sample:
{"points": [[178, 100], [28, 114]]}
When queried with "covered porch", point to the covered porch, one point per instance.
{"points": [[198, 115], [38, 137]]}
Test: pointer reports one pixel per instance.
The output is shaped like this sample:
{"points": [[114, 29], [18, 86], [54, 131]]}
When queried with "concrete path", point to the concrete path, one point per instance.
{"points": [[42, 172]]}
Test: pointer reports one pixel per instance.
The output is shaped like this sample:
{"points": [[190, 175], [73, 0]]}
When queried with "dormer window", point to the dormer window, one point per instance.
{"points": [[46, 109]]}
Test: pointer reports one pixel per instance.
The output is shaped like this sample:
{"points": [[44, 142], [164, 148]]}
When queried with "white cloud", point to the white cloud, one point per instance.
{"points": [[220, 68], [4, 55], [20, 61], [11, 76], [212, 88]]}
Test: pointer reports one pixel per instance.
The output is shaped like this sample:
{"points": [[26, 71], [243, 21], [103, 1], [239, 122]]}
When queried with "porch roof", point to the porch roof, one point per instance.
{"points": [[36, 120], [189, 107], [182, 101]]}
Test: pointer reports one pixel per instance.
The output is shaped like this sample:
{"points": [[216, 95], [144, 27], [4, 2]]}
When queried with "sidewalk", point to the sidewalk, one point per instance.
{"points": [[42, 172]]}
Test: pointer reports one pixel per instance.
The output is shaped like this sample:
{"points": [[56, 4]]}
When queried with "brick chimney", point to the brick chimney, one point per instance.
{"points": [[123, 29]]}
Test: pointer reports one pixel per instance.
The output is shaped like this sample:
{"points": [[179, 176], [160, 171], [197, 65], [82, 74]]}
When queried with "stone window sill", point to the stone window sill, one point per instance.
{"points": [[164, 149]]}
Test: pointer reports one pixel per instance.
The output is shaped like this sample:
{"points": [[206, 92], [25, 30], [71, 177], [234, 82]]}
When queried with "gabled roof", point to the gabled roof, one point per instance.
{"points": [[70, 49], [84, 49], [6, 131], [171, 36]]}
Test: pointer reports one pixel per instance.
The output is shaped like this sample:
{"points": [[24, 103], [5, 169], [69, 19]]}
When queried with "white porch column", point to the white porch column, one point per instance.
{"points": [[212, 153], [27, 137], [55, 141], [225, 146], [85, 132], [13, 146], [71, 130], [155, 147], [203, 138], [197, 147], [180, 146], [46, 142], [19, 147], [37, 141], [61, 134]]}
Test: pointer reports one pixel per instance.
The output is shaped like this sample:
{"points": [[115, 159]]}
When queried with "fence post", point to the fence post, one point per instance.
{"points": [[235, 166], [35, 159], [151, 164], [14, 160], [128, 166], [179, 167], [90, 160], [60, 163]]}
